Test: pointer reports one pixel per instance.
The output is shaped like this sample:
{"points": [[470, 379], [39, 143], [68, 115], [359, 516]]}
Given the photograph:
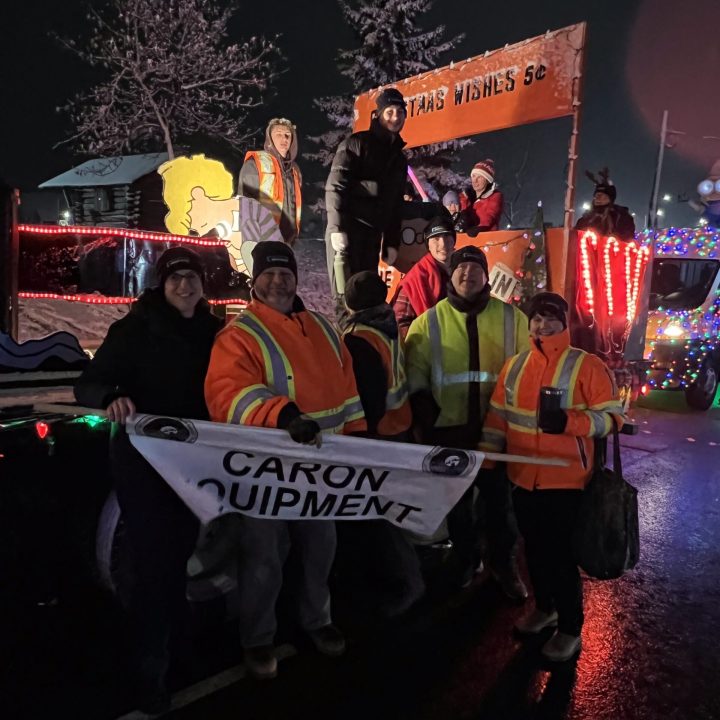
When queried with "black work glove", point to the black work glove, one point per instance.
{"points": [[553, 422], [304, 431], [425, 412]]}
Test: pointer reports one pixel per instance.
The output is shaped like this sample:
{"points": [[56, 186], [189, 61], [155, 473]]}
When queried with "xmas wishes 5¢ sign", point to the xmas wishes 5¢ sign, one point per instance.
{"points": [[533, 80]]}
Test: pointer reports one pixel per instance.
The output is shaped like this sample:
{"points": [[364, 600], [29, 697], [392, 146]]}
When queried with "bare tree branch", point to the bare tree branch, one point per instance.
{"points": [[171, 75]]}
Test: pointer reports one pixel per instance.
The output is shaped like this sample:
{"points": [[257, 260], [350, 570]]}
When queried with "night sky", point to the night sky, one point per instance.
{"points": [[642, 56]]}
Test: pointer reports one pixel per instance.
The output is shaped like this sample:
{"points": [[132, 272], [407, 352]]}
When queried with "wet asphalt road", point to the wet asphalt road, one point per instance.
{"points": [[651, 642]]}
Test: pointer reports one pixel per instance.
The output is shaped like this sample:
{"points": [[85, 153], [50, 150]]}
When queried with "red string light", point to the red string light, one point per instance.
{"points": [[635, 258], [151, 236], [103, 300], [587, 276], [610, 244]]}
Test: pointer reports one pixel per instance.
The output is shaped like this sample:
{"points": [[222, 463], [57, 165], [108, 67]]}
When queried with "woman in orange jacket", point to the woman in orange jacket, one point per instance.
{"points": [[547, 498]]}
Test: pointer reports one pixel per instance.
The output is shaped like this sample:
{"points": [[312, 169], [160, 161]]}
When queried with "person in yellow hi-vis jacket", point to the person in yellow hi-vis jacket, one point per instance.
{"points": [[455, 352], [547, 498], [279, 365]]}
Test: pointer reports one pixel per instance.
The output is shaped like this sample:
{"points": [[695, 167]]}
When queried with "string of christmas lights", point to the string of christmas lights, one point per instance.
{"points": [[504, 243], [610, 249], [151, 236], [695, 330], [703, 242], [107, 300]]}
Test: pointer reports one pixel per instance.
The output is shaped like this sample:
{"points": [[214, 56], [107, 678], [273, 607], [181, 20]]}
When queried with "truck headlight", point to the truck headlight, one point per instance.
{"points": [[675, 331]]}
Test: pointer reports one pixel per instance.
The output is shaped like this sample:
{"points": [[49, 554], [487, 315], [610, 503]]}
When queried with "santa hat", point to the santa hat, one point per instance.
{"points": [[486, 169]]}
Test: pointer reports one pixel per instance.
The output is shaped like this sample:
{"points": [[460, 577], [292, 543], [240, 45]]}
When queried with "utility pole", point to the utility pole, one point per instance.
{"points": [[652, 220], [665, 134]]}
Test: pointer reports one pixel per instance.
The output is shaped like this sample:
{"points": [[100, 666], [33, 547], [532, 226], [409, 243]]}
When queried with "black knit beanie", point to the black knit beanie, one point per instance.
{"points": [[178, 258], [272, 253], [548, 303], [365, 290], [470, 253], [390, 96]]}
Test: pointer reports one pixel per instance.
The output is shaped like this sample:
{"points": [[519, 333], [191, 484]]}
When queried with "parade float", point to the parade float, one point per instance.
{"points": [[107, 261]]}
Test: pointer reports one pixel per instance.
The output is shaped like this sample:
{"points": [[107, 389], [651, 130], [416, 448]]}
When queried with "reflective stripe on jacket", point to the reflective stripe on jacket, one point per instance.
{"points": [[271, 185], [398, 416], [590, 400], [266, 359], [438, 355]]}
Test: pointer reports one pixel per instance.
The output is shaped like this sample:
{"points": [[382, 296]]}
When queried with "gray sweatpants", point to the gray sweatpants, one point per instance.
{"points": [[265, 545]]}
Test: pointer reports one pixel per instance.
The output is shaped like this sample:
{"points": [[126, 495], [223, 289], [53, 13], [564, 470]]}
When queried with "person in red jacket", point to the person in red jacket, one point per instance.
{"points": [[426, 282], [279, 365], [547, 498], [485, 211]]}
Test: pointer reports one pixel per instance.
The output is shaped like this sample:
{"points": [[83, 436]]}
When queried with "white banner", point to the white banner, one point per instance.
{"points": [[217, 468]]}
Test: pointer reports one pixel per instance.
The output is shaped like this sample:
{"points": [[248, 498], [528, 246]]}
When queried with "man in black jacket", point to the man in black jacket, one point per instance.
{"points": [[605, 217], [364, 191], [154, 361]]}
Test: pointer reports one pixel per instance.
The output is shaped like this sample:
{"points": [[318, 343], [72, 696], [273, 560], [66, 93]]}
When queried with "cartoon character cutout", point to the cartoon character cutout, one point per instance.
{"points": [[198, 192], [709, 203]]}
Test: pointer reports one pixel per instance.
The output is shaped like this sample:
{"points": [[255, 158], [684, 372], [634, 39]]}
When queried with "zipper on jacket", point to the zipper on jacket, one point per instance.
{"points": [[581, 450]]}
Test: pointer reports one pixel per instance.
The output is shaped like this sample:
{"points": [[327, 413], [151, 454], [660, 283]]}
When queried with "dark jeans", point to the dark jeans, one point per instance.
{"points": [[161, 534], [546, 519], [486, 525]]}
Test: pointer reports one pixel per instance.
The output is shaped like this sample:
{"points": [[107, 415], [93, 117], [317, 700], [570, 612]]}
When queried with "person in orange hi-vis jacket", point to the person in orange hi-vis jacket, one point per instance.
{"points": [[547, 498], [279, 365]]}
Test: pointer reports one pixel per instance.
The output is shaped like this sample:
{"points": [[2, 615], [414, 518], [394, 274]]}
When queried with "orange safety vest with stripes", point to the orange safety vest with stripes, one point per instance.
{"points": [[590, 399], [271, 185], [398, 415], [264, 360]]}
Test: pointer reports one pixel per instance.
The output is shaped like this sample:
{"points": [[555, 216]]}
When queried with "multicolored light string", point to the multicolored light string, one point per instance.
{"points": [[700, 326]]}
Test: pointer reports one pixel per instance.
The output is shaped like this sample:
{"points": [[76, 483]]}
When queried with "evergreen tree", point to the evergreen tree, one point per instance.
{"points": [[170, 75], [391, 46]]}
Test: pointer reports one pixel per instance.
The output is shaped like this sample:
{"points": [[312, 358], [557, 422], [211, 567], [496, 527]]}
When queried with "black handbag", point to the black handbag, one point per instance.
{"points": [[606, 538]]}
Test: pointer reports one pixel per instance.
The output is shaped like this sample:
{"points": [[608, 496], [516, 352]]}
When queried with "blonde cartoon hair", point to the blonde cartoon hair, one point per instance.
{"points": [[183, 174]]}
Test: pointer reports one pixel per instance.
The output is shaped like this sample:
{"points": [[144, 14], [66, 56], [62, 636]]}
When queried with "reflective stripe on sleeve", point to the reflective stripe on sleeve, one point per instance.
{"points": [[246, 401], [600, 423]]}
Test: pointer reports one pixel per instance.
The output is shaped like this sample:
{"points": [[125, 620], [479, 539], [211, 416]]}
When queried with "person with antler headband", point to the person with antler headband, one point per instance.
{"points": [[605, 217]]}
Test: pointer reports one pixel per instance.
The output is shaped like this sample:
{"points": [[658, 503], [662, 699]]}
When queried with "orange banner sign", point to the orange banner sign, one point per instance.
{"points": [[532, 80]]}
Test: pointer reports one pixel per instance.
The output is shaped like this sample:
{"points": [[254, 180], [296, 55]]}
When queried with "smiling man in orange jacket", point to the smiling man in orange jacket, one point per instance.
{"points": [[546, 498], [279, 365]]}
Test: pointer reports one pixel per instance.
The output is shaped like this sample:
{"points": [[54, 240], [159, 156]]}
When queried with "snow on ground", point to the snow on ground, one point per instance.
{"points": [[89, 323]]}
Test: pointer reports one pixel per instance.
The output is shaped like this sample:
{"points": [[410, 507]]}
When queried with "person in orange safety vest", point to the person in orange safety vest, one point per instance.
{"points": [[372, 337], [279, 365], [547, 498], [272, 176]]}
